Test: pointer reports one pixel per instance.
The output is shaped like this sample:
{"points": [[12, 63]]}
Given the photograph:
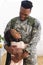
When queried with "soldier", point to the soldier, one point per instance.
{"points": [[29, 29]]}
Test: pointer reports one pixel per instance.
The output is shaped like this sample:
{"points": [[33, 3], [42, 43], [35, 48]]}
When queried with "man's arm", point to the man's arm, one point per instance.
{"points": [[8, 27], [35, 37], [12, 31], [32, 45]]}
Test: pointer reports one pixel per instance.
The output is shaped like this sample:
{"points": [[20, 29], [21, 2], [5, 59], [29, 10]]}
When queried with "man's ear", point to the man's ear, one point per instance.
{"points": [[20, 8]]}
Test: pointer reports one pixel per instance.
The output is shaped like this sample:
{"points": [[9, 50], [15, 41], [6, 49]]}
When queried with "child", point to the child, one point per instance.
{"points": [[14, 43]]}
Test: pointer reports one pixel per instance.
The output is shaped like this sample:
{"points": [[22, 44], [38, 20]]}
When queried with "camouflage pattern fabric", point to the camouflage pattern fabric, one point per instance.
{"points": [[30, 31]]}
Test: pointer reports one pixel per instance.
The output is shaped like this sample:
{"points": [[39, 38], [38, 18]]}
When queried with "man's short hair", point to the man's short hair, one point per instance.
{"points": [[26, 4]]}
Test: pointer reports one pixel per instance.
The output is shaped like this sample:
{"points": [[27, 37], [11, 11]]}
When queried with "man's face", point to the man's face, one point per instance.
{"points": [[24, 13]]}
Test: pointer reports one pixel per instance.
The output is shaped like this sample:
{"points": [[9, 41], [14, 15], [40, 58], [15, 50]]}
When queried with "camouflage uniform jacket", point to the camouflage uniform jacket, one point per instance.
{"points": [[30, 32]]}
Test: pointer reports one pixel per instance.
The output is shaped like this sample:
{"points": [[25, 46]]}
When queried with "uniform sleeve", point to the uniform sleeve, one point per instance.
{"points": [[32, 58], [8, 27], [35, 36]]}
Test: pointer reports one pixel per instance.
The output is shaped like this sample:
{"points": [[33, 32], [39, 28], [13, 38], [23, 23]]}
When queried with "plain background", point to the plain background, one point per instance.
{"points": [[10, 9]]}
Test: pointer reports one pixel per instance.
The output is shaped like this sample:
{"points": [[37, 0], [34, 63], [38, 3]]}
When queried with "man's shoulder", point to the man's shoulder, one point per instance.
{"points": [[15, 18], [30, 18], [33, 20]]}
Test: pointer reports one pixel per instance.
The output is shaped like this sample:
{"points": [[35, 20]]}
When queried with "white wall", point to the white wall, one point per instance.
{"points": [[10, 9]]}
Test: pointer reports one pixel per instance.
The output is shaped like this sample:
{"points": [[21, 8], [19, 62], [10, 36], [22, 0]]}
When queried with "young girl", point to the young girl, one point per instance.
{"points": [[15, 59]]}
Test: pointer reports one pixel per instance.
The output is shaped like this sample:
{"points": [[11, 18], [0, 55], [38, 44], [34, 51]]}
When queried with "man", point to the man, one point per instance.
{"points": [[29, 29]]}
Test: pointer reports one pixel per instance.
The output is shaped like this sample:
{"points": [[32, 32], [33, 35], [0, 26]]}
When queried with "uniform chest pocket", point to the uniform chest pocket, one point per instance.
{"points": [[24, 29], [27, 29]]}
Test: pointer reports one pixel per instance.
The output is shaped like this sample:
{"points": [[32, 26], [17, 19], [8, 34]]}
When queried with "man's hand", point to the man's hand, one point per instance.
{"points": [[19, 56], [15, 34], [16, 58], [10, 49]]}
